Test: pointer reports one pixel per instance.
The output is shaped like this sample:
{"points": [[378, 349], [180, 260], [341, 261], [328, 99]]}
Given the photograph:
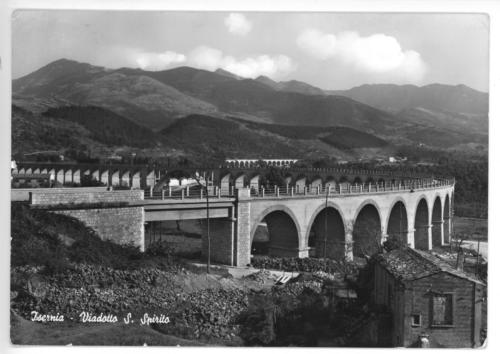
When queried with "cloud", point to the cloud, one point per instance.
{"points": [[274, 66], [158, 61], [204, 57], [375, 54], [237, 24], [208, 58], [317, 44]]}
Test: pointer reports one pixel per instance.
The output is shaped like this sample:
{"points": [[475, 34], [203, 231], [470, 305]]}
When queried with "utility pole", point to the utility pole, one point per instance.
{"points": [[326, 223], [208, 227], [477, 256], [197, 178]]}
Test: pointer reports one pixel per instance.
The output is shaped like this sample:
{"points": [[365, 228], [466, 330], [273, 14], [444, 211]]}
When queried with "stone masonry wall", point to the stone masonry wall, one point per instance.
{"points": [[23, 194], [458, 335], [119, 225]]}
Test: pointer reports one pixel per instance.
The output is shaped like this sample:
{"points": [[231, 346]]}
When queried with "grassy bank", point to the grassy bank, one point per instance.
{"points": [[470, 228]]}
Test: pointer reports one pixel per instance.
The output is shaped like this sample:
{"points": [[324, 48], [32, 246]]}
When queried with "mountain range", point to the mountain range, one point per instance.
{"points": [[158, 103], [438, 97]]}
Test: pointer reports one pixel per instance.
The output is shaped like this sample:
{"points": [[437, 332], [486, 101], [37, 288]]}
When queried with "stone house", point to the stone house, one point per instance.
{"points": [[432, 304]]}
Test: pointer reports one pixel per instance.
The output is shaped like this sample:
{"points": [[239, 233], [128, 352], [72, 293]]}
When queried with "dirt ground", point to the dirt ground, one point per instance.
{"points": [[473, 245]]}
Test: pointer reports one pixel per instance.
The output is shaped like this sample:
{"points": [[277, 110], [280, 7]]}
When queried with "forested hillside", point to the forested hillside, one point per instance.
{"points": [[105, 126]]}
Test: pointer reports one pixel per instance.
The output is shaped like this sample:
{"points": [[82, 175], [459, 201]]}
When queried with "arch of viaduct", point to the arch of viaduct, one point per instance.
{"points": [[420, 218]]}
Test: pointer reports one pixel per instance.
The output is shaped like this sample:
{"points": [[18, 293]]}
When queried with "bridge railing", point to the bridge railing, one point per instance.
{"points": [[346, 188], [187, 193], [298, 190]]}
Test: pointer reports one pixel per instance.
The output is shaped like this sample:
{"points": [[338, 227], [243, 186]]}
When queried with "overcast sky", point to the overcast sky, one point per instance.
{"points": [[328, 50]]}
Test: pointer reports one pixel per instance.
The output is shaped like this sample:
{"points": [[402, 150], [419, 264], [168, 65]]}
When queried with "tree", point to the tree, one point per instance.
{"points": [[324, 162], [393, 242], [367, 236], [275, 177], [89, 181], [261, 164]]}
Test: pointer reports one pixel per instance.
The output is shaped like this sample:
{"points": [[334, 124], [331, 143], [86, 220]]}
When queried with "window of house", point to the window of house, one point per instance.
{"points": [[442, 310], [416, 320]]}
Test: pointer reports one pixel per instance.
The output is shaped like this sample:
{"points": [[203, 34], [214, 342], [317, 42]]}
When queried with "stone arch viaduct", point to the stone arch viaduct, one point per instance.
{"points": [[334, 213], [340, 223]]}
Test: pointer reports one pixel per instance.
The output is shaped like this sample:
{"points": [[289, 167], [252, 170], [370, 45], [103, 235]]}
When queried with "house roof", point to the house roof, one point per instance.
{"points": [[410, 264]]}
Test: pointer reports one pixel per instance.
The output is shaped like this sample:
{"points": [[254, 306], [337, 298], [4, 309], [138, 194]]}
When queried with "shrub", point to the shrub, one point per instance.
{"points": [[393, 242], [37, 240], [58, 262], [303, 264], [34, 243], [159, 248]]}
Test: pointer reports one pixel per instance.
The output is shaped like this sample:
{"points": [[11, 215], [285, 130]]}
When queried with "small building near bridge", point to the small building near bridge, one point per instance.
{"points": [[432, 304]]}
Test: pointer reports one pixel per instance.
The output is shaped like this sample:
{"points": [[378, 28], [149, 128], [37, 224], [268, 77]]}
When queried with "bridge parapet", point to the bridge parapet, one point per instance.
{"points": [[300, 191], [188, 192], [342, 189], [56, 196]]}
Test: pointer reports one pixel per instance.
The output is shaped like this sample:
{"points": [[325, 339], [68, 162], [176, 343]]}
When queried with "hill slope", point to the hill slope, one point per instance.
{"points": [[156, 99], [291, 86], [343, 138], [209, 137], [31, 132], [201, 139], [140, 98], [105, 126], [458, 99], [253, 98], [55, 77]]}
